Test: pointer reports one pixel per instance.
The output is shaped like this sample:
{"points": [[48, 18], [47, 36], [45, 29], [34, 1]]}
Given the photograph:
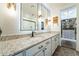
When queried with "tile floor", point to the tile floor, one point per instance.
{"points": [[64, 51], [69, 44], [67, 48]]}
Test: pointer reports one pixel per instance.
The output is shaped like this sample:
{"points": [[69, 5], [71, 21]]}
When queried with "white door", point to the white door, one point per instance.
{"points": [[48, 51]]}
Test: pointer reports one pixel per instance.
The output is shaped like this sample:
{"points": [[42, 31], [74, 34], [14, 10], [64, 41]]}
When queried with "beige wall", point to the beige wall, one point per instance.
{"points": [[10, 20]]}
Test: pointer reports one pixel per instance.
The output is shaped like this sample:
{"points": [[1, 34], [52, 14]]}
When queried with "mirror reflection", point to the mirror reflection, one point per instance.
{"points": [[33, 15]]}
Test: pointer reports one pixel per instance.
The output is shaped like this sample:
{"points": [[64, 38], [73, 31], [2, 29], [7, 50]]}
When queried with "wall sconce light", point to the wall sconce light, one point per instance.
{"points": [[39, 14], [11, 6], [55, 20], [46, 22], [11, 9]]}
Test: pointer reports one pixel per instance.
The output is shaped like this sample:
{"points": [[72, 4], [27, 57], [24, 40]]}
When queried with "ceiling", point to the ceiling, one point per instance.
{"points": [[59, 5]]}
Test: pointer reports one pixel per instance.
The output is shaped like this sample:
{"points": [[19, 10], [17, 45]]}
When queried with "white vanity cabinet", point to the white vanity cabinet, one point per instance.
{"points": [[43, 48], [53, 45], [35, 49], [47, 49], [55, 42], [58, 39]]}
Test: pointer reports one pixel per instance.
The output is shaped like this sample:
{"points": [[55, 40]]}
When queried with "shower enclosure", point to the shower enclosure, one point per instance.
{"points": [[68, 32], [68, 28]]}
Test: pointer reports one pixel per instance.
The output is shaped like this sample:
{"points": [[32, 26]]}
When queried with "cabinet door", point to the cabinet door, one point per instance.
{"points": [[56, 41], [53, 45], [41, 53], [47, 51], [33, 50], [48, 48]]}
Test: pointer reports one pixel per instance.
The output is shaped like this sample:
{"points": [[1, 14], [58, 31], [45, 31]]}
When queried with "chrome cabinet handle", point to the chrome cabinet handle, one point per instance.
{"points": [[45, 48], [40, 47]]}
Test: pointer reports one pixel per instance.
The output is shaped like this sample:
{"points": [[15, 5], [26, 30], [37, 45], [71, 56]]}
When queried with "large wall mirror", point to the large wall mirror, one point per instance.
{"points": [[28, 16]]}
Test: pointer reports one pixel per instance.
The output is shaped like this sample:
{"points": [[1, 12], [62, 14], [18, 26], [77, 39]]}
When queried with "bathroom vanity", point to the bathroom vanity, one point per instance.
{"points": [[40, 45]]}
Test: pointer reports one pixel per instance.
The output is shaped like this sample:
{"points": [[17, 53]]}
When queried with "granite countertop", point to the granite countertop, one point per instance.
{"points": [[10, 47]]}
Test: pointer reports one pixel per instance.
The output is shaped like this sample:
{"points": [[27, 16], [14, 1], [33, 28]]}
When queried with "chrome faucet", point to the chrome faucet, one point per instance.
{"points": [[32, 34], [32, 31], [0, 31], [0, 34]]}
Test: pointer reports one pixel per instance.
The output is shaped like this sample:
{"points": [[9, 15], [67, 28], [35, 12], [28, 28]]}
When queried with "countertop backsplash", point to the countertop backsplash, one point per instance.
{"points": [[10, 37]]}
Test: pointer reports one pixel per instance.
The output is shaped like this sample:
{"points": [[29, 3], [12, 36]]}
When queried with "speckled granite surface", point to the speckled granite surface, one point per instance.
{"points": [[9, 47]]}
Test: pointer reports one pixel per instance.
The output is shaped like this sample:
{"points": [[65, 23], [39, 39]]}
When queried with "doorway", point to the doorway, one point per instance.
{"points": [[68, 32], [68, 27]]}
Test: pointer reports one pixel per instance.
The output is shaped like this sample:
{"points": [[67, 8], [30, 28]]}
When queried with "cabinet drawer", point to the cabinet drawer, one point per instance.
{"points": [[33, 50], [40, 53], [47, 42]]}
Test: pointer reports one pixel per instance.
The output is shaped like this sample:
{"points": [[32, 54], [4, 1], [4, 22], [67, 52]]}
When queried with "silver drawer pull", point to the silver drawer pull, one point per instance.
{"points": [[40, 47], [45, 48]]}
